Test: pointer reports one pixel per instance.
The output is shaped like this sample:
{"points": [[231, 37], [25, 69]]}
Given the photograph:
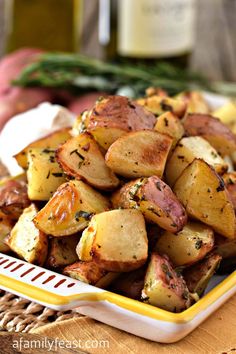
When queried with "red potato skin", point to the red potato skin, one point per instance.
{"points": [[154, 190], [12, 64], [120, 112], [207, 126], [18, 100], [14, 100], [14, 198], [196, 124], [85, 102], [167, 201]]}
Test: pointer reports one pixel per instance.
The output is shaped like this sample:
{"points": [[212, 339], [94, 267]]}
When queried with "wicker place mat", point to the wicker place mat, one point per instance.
{"points": [[21, 315]]}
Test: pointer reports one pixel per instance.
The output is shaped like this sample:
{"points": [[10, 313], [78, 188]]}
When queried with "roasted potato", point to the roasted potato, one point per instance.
{"points": [[5, 229], [13, 197], [90, 273], [130, 284], [62, 251], [213, 130], [139, 154], [187, 246], [80, 123], [163, 287], [159, 105], [50, 142], [230, 184], [168, 123], [70, 209], [186, 151], [114, 116], [226, 248], [155, 200], [227, 113], [204, 195], [116, 240], [26, 240], [44, 174], [198, 275], [195, 101], [81, 158]]}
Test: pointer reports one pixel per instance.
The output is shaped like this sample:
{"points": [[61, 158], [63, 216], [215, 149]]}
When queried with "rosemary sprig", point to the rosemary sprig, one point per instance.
{"points": [[81, 73]]}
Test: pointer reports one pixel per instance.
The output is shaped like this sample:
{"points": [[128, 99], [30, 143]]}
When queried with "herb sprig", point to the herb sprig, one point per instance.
{"points": [[81, 73]]}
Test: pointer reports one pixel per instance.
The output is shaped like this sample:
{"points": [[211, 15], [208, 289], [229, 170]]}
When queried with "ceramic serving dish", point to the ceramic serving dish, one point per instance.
{"points": [[63, 293]]}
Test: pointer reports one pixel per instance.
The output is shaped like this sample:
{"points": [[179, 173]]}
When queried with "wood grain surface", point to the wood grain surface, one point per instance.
{"points": [[217, 335]]}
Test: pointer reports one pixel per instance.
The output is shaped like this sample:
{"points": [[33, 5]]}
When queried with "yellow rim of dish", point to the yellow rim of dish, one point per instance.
{"points": [[50, 298]]}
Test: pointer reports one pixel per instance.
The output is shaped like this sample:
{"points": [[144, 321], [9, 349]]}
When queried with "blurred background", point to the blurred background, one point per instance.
{"points": [[213, 50]]}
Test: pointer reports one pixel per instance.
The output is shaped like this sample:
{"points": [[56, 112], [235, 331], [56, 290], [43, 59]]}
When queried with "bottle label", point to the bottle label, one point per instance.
{"points": [[155, 28]]}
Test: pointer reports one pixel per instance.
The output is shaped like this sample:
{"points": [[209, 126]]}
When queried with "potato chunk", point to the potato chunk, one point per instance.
{"points": [[159, 105], [116, 240], [114, 116], [226, 248], [187, 246], [80, 157], [163, 287], [195, 101], [230, 184], [213, 130], [130, 284], [198, 275], [139, 154], [70, 209], [168, 123], [5, 229], [62, 251], [26, 240], [155, 200], [203, 194], [90, 273], [51, 141], [44, 174], [13, 198], [186, 151]]}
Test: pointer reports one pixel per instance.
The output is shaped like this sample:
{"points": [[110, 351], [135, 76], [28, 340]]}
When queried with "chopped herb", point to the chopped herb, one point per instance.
{"points": [[158, 185], [198, 244], [52, 158], [47, 151], [134, 256], [166, 122], [214, 154], [57, 174], [221, 186], [181, 157], [83, 214], [48, 174], [166, 270], [185, 295], [152, 210], [77, 153], [166, 107]]}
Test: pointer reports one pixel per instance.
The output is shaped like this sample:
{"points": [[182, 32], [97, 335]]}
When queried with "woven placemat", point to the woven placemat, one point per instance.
{"points": [[21, 315]]}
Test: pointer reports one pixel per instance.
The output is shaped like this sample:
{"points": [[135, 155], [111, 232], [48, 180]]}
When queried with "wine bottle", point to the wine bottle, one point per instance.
{"points": [[47, 24], [147, 30]]}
